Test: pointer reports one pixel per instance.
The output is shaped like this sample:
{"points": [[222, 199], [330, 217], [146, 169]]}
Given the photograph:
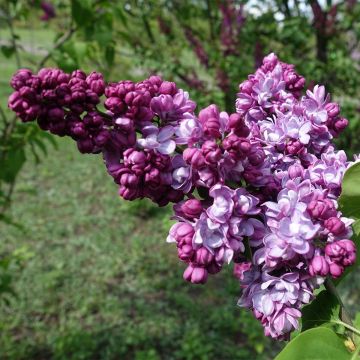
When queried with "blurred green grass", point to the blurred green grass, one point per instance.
{"points": [[101, 282]]}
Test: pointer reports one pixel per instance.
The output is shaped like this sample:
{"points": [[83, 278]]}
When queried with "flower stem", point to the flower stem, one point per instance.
{"points": [[347, 326]]}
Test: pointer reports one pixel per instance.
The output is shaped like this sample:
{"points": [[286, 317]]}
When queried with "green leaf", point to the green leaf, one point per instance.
{"points": [[315, 344], [11, 164], [321, 311], [349, 200], [7, 50], [82, 11]]}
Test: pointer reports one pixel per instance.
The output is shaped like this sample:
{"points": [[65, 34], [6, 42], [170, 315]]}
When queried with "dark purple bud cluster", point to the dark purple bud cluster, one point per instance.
{"points": [[64, 104], [132, 100], [200, 261], [145, 173], [335, 123], [338, 255]]}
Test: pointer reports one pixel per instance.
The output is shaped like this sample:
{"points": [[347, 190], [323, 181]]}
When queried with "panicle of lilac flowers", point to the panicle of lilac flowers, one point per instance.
{"points": [[258, 187]]}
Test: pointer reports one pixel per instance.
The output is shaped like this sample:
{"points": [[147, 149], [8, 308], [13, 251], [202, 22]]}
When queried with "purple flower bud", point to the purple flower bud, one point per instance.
{"points": [[129, 180], [78, 131], [155, 80], [115, 105], [56, 114], [78, 74], [196, 275], [246, 87], [213, 268], [296, 170], [340, 125], [129, 194], [168, 88], [182, 233], [335, 225], [211, 152], [294, 147], [78, 94], [319, 266], [203, 256], [96, 83], [256, 156], [21, 78], [321, 209], [207, 177], [342, 252], [336, 270], [136, 160], [192, 208], [185, 252], [332, 109], [194, 157], [125, 124], [85, 146], [24, 104], [209, 119], [237, 147], [102, 138], [349, 252], [237, 125], [212, 128]]}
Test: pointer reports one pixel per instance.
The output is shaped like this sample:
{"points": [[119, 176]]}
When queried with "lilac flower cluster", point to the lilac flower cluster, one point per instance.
{"points": [[306, 237], [64, 104], [258, 187]]}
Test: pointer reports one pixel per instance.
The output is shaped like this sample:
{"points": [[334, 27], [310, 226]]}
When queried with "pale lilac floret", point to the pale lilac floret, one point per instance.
{"points": [[181, 174], [158, 139], [210, 234], [223, 205], [188, 131]]}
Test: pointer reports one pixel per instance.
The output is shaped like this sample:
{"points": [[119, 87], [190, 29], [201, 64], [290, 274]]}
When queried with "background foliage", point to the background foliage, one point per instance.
{"points": [[84, 275]]}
